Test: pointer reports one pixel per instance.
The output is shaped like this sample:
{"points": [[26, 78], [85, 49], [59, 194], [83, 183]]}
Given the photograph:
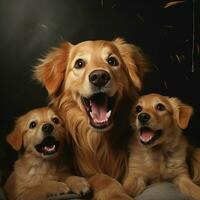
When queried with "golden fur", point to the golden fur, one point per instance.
{"points": [[164, 158], [36, 175], [95, 151], [194, 164]]}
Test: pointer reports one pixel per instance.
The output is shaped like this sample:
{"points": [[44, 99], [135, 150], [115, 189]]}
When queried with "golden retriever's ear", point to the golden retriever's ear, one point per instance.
{"points": [[15, 138], [50, 72], [182, 112], [134, 60]]}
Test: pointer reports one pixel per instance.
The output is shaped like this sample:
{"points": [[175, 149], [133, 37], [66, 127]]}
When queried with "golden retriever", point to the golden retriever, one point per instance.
{"points": [[159, 149], [41, 169], [94, 84]]}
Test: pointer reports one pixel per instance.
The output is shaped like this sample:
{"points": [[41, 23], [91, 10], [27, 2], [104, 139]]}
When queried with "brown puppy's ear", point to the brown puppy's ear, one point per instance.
{"points": [[182, 112], [50, 72], [134, 60], [15, 138]]}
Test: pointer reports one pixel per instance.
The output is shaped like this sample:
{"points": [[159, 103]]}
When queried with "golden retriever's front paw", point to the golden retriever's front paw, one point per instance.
{"points": [[78, 185]]}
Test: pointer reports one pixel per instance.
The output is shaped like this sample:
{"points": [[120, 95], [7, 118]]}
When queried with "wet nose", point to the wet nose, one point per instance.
{"points": [[99, 78], [144, 117], [47, 129]]}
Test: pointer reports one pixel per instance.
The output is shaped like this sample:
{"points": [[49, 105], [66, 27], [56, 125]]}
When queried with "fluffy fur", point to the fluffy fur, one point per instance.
{"points": [[99, 147], [36, 174], [194, 164], [159, 149]]}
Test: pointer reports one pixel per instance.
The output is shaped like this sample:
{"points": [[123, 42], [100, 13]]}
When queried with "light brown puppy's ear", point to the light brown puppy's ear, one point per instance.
{"points": [[50, 72], [15, 138], [182, 112], [134, 60]]}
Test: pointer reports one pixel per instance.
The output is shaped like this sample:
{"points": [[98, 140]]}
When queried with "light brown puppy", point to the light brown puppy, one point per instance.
{"points": [[41, 169], [194, 164], [94, 84], [159, 149]]}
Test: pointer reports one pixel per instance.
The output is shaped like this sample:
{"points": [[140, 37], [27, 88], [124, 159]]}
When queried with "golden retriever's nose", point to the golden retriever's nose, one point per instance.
{"points": [[144, 117], [99, 78], [47, 129]]}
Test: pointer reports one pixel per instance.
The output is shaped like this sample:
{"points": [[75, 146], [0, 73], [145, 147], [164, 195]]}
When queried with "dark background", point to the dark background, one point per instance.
{"points": [[28, 28]]}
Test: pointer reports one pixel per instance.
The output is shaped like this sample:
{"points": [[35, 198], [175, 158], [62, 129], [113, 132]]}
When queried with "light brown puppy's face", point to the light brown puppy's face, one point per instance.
{"points": [[159, 118], [96, 73], [39, 132]]}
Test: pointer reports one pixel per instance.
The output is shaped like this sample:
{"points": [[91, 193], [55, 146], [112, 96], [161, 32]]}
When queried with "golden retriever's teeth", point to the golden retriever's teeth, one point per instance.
{"points": [[100, 121], [108, 114], [91, 114]]}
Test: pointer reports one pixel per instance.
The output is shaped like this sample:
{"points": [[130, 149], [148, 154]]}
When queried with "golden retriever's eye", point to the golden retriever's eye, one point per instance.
{"points": [[112, 61], [138, 109], [55, 120], [160, 107], [79, 63], [32, 125]]}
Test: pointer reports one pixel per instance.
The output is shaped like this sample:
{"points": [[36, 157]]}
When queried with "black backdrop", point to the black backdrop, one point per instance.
{"points": [[164, 31]]}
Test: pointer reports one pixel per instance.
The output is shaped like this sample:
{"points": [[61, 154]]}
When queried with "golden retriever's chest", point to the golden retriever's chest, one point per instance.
{"points": [[112, 164]]}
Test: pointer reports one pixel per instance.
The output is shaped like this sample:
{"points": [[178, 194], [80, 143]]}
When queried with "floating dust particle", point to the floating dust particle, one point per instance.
{"points": [[172, 3]]}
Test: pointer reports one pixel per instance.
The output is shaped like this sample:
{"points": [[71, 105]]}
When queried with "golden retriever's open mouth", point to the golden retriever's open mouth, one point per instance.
{"points": [[48, 146], [148, 135], [99, 109]]}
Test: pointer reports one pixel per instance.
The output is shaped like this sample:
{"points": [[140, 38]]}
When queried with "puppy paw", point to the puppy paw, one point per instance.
{"points": [[78, 185], [55, 188]]}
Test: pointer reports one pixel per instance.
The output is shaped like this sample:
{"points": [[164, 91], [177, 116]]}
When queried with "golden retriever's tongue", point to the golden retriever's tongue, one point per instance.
{"points": [[146, 136], [99, 112]]}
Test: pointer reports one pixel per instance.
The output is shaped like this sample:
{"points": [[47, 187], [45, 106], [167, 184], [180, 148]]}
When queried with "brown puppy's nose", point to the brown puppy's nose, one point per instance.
{"points": [[47, 129], [99, 78], [144, 117]]}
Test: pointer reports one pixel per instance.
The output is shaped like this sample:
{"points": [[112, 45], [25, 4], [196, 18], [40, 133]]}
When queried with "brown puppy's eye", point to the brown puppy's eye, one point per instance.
{"points": [[112, 61], [79, 63], [32, 125], [138, 109], [55, 120], [160, 107]]}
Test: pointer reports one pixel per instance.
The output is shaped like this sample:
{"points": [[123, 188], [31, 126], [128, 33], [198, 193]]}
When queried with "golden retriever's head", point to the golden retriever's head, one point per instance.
{"points": [[40, 132], [158, 118], [96, 74]]}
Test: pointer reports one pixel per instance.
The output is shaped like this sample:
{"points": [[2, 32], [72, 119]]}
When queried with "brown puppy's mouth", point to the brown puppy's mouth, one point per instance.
{"points": [[99, 109], [48, 146], [148, 135]]}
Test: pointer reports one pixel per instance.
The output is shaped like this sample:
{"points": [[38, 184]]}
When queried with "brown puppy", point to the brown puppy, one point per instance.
{"points": [[194, 164], [41, 169], [94, 84], [159, 149]]}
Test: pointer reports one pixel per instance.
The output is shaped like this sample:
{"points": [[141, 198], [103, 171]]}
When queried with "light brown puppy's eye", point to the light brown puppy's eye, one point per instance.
{"points": [[160, 107], [138, 109], [112, 61], [32, 125], [55, 120], [80, 63]]}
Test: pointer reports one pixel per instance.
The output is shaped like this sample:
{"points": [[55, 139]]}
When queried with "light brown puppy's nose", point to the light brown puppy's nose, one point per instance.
{"points": [[144, 117], [47, 129], [99, 78]]}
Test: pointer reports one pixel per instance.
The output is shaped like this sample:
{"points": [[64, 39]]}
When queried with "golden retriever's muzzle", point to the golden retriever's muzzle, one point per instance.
{"points": [[147, 135], [99, 105], [49, 145]]}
